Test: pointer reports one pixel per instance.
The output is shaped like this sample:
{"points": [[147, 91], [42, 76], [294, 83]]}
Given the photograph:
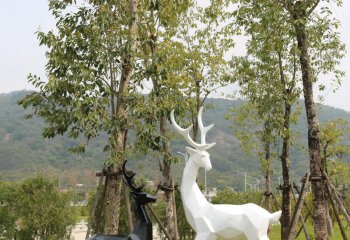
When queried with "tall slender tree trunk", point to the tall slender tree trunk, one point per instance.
{"points": [[113, 188], [171, 221], [198, 104], [318, 190], [286, 188], [267, 178]]}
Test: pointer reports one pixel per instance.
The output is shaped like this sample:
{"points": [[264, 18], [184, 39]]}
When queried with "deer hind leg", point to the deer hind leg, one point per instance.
{"points": [[206, 236]]}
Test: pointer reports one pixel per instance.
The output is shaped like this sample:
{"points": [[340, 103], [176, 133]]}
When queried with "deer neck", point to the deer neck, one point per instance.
{"points": [[191, 194], [143, 225]]}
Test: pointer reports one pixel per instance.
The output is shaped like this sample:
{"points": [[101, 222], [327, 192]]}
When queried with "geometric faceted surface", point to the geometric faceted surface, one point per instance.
{"points": [[217, 221]]}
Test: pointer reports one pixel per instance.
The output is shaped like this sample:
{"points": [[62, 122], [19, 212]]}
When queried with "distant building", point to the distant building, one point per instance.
{"points": [[209, 194]]}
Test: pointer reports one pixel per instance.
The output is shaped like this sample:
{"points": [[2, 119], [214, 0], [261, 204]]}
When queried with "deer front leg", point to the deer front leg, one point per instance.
{"points": [[204, 229]]}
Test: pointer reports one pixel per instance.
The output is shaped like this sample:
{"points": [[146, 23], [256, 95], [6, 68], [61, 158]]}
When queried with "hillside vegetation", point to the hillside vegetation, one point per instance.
{"points": [[24, 152]]}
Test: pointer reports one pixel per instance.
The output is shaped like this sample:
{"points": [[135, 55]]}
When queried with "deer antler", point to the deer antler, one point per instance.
{"points": [[203, 129], [186, 132], [129, 180]]}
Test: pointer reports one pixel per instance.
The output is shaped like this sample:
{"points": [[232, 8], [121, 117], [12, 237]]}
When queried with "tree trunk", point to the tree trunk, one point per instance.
{"points": [[113, 188], [198, 104], [286, 188], [112, 204], [318, 189], [171, 221], [128, 208], [267, 179]]}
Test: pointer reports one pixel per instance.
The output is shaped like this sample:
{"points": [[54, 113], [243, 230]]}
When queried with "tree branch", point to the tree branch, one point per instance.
{"points": [[210, 91], [312, 8]]}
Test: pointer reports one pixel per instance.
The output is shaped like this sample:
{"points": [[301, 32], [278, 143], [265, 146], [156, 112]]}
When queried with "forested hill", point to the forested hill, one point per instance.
{"points": [[23, 151]]}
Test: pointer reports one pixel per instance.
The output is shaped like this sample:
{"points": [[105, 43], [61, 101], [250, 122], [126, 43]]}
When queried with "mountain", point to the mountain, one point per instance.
{"points": [[24, 152]]}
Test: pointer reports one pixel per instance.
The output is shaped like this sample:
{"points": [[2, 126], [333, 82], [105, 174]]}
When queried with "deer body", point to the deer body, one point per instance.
{"points": [[217, 221]]}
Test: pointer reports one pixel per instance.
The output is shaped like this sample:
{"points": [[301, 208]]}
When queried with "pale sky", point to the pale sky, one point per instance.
{"points": [[20, 53]]}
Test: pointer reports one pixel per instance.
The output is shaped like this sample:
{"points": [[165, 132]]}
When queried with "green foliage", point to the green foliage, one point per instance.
{"points": [[96, 221], [36, 209], [270, 72], [7, 214], [83, 70], [268, 77], [333, 150], [276, 235], [227, 196], [185, 230]]}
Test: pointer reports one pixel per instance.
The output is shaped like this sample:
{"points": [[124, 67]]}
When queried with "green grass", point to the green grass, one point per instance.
{"points": [[275, 233]]}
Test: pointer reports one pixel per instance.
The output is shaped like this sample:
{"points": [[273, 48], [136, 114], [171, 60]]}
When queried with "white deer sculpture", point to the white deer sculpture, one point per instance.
{"points": [[217, 221]]}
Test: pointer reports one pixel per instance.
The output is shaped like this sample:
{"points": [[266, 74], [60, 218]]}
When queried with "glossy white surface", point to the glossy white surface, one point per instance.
{"points": [[217, 221]]}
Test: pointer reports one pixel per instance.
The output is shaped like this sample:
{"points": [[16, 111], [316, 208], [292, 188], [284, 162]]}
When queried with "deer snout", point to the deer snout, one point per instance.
{"points": [[208, 167], [151, 198]]}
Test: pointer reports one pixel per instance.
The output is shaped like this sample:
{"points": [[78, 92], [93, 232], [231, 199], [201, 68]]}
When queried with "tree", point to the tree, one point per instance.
{"points": [[256, 133], [302, 14], [90, 61], [39, 210], [333, 149], [159, 66], [172, 67], [268, 79], [331, 133], [205, 68], [271, 19]]}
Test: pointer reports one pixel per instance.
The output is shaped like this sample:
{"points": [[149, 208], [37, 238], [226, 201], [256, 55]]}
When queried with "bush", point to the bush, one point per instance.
{"points": [[228, 196], [37, 210]]}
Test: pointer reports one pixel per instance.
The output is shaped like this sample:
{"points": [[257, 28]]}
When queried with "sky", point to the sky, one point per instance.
{"points": [[20, 53]]}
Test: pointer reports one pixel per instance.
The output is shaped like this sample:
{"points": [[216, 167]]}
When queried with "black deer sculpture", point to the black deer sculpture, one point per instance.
{"points": [[143, 226]]}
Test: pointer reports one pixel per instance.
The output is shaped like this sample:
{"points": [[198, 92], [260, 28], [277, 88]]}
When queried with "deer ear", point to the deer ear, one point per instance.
{"points": [[209, 146], [192, 151]]}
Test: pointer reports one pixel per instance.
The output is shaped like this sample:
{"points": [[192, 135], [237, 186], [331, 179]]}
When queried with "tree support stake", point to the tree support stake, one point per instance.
{"points": [[298, 207], [151, 209]]}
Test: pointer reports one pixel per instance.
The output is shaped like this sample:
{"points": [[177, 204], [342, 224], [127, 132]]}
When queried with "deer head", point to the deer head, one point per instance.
{"points": [[140, 197], [198, 153]]}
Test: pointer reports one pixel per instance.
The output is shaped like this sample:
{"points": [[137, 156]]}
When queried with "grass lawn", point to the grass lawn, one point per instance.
{"points": [[276, 232]]}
